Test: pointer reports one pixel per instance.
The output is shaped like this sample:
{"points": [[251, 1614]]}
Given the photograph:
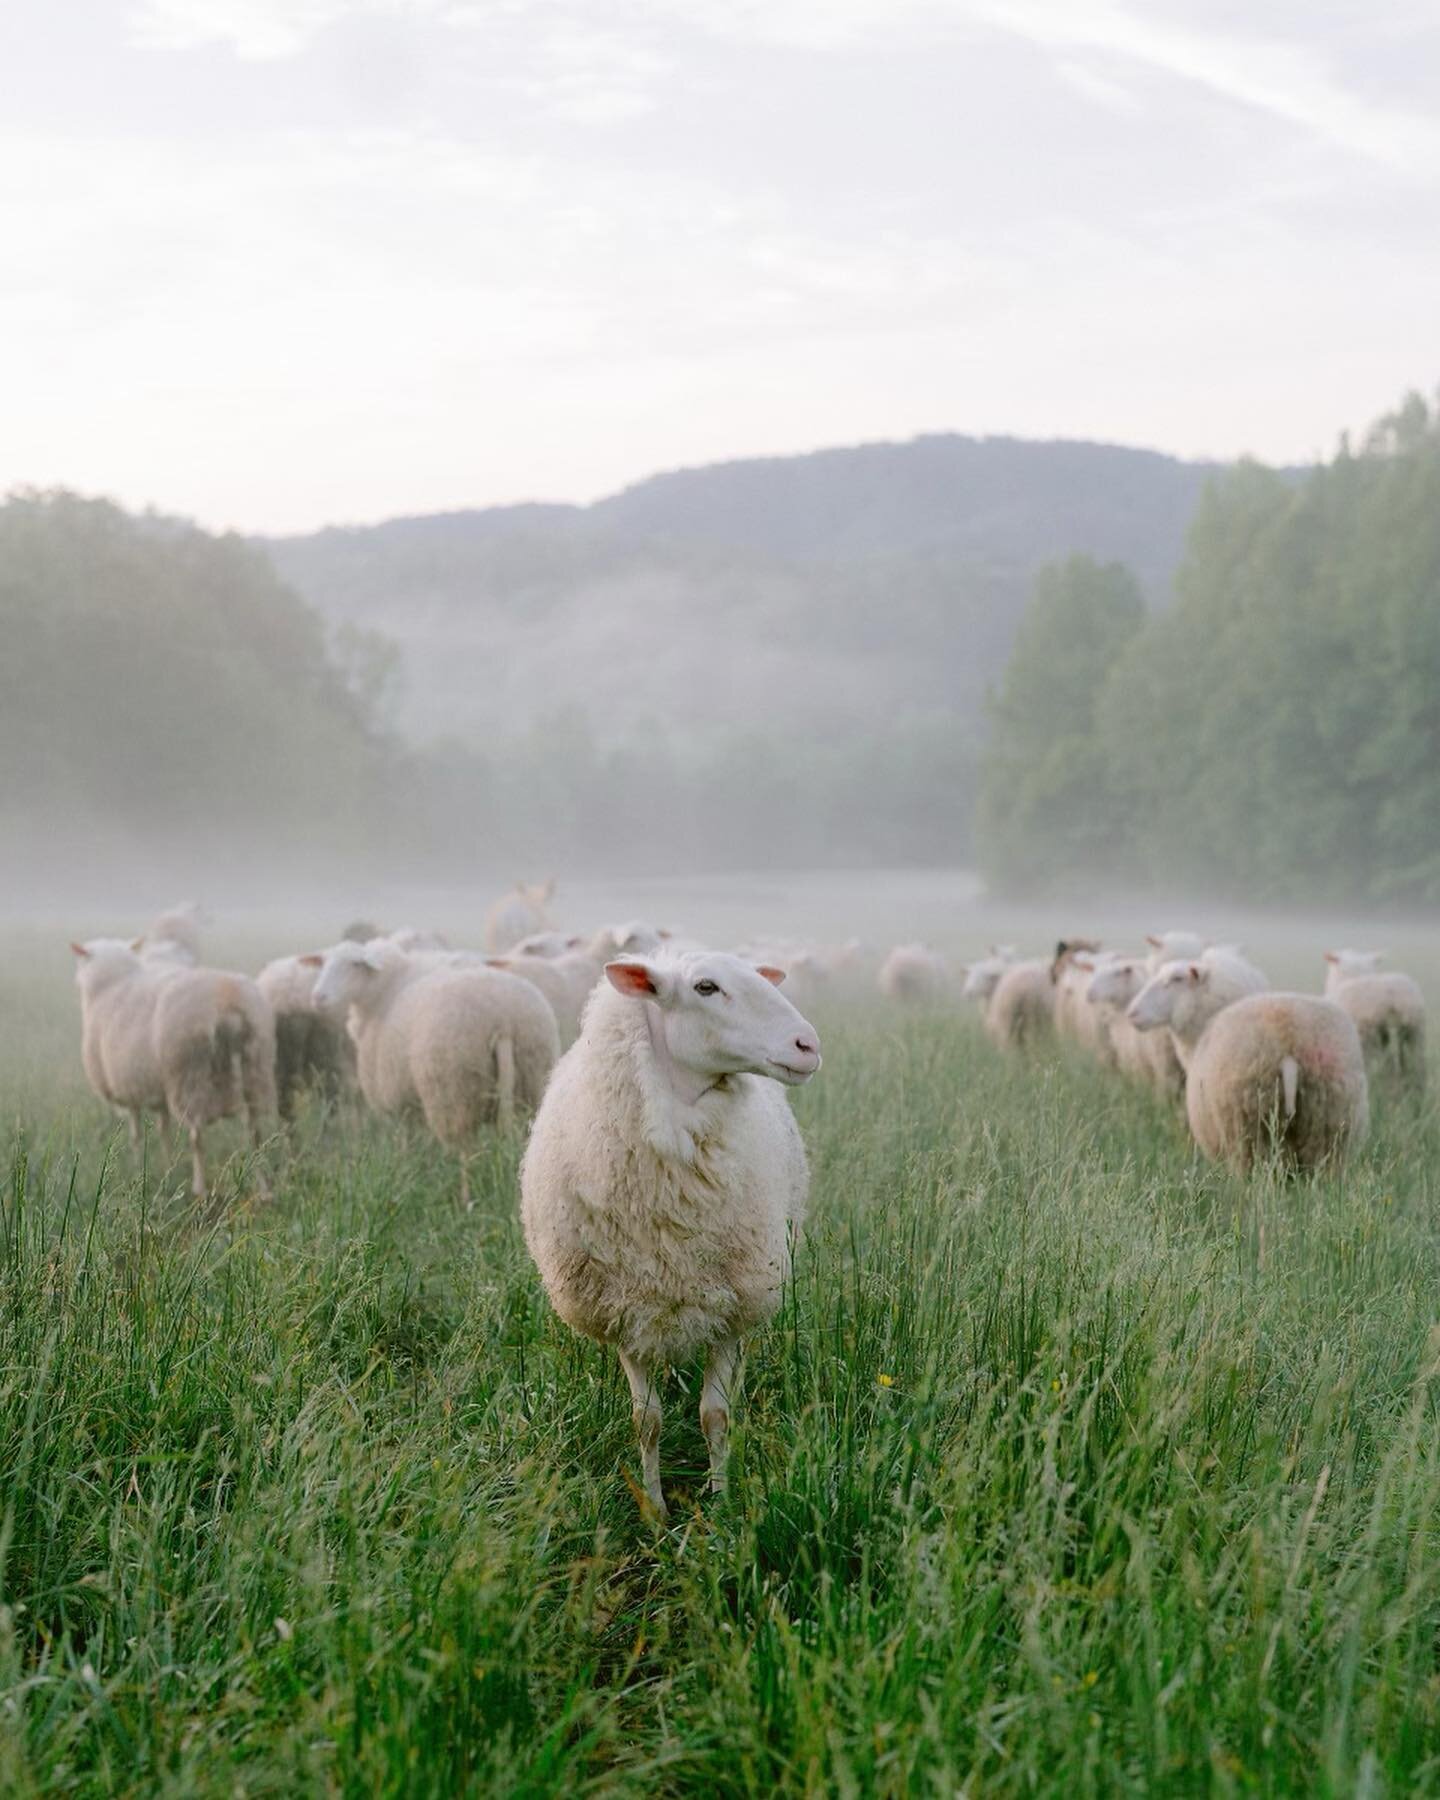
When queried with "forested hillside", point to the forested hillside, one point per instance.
{"points": [[158, 686], [1276, 732], [786, 595]]}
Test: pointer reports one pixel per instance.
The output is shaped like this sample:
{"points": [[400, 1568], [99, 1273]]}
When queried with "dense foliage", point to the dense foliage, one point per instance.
{"points": [[1276, 731], [158, 682]]}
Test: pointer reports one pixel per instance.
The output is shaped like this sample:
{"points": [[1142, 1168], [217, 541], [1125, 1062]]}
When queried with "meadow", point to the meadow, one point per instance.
{"points": [[1072, 1464]]}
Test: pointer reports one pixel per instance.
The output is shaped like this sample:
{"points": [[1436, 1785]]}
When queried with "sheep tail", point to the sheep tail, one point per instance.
{"points": [[505, 1079], [1290, 1083]]}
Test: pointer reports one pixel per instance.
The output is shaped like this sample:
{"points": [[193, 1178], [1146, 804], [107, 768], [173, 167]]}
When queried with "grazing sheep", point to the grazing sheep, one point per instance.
{"points": [[517, 914], [459, 1043], [193, 1045], [312, 1048], [1278, 1074], [665, 1175], [361, 931], [1020, 1014], [1389, 1013], [914, 974]]}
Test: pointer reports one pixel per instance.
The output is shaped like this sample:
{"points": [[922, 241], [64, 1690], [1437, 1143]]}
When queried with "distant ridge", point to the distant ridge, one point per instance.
{"points": [[922, 550]]}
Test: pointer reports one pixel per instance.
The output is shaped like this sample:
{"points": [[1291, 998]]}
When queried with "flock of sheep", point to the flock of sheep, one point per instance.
{"points": [[1261, 1073], [664, 1178]]}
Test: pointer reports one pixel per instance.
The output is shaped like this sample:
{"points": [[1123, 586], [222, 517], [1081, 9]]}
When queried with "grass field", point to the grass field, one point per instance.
{"points": [[1071, 1466]]}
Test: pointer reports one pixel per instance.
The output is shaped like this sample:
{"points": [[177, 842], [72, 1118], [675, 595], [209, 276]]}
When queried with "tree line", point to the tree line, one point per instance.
{"points": [[1275, 731]]}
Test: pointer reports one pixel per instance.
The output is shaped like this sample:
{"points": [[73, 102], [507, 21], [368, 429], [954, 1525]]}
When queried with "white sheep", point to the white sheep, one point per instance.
{"points": [[312, 1047], [914, 974], [1146, 1056], [665, 1176], [1020, 1014], [459, 1043], [517, 915], [1267, 1071], [1388, 1010], [982, 976], [1172, 946], [1071, 977], [565, 981], [192, 1045], [1184, 997], [174, 936]]}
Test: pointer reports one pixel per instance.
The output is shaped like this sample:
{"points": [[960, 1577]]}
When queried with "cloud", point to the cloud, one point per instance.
{"points": [[1288, 82]]}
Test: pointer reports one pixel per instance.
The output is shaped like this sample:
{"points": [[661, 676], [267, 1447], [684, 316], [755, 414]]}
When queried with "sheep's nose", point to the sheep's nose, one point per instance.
{"points": [[807, 1046]]}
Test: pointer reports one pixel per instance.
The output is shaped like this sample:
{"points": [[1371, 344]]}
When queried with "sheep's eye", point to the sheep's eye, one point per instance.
{"points": [[707, 988]]}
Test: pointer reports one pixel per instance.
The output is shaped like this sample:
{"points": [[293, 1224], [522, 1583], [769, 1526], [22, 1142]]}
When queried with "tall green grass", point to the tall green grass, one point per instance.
{"points": [[1071, 1465]]}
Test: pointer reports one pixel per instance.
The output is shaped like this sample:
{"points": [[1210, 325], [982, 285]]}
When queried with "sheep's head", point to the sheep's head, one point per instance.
{"points": [[101, 961], [1116, 982], [1169, 996], [350, 973], [1344, 963], [720, 1015], [1173, 946]]}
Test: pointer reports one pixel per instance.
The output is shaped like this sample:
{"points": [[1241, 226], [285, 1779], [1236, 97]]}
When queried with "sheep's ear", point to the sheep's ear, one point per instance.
{"points": [[1331, 957], [772, 975], [497, 962], [573, 943], [1198, 973], [635, 979], [79, 949], [1154, 942], [137, 944], [312, 959], [662, 932]]}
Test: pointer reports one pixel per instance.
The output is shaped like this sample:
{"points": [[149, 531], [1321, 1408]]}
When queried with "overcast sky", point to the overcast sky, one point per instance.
{"points": [[274, 263]]}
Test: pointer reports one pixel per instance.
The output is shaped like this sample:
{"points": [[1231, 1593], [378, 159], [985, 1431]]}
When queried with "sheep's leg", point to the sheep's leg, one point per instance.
{"points": [[135, 1128], [466, 1198], [645, 1407], [197, 1163], [721, 1385]]}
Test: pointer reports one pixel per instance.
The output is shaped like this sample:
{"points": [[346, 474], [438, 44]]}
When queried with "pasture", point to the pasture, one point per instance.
{"points": [[1072, 1464]]}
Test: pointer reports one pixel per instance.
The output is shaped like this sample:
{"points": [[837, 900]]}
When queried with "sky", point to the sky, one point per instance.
{"points": [[279, 263]]}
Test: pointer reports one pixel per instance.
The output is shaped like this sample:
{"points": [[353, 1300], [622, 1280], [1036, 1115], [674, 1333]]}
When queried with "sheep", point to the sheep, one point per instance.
{"points": [[312, 1047], [546, 943], [983, 975], [517, 914], [1231, 961], [1186, 996], [1172, 946], [413, 939], [1278, 1073], [1020, 1014], [565, 981], [1389, 1013], [459, 1043], [361, 931], [173, 937], [665, 1176], [1070, 983], [914, 974], [192, 1045], [1147, 1056]]}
